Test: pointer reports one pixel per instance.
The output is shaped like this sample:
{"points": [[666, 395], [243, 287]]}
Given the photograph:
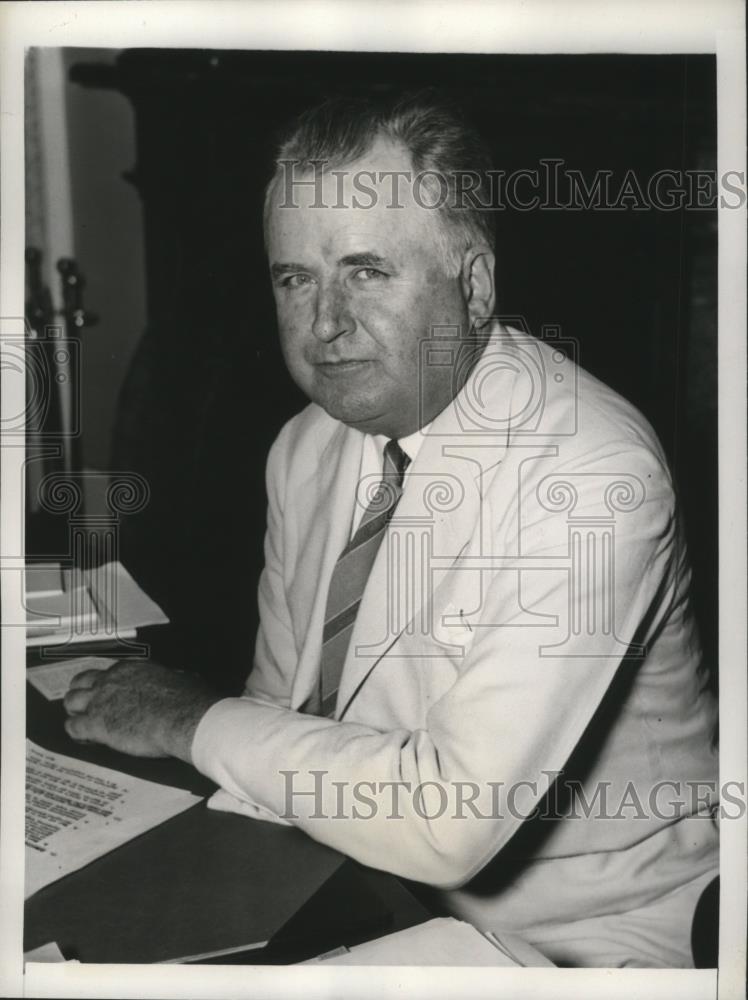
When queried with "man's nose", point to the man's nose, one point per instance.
{"points": [[332, 317]]}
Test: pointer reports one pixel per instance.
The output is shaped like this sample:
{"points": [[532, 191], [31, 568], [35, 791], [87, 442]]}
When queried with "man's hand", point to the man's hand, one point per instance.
{"points": [[138, 708]]}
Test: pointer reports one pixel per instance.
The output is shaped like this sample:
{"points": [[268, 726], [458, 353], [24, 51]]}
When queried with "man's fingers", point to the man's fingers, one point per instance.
{"points": [[76, 700], [79, 728], [85, 679]]}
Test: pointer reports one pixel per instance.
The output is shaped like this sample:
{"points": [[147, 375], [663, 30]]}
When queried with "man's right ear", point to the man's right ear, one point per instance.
{"points": [[478, 283]]}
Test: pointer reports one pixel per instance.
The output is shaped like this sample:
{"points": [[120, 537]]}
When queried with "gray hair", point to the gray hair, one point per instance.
{"points": [[442, 147]]}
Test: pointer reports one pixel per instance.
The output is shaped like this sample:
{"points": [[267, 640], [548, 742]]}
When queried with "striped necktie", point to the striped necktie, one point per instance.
{"points": [[349, 580]]}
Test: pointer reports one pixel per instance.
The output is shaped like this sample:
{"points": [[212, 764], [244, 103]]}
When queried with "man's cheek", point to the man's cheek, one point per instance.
{"points": [[384, 320], [299, 369], [294, 331]]}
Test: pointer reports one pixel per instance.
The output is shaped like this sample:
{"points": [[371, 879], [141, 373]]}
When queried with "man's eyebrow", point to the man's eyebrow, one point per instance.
{"points": [[279, 269], [364, 259]]}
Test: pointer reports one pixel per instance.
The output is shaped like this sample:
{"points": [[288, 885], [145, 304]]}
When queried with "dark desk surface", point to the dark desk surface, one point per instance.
{"points": [[205, 881]]}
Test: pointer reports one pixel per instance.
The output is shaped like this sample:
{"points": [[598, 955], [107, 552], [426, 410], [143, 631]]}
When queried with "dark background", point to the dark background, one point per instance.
{"points": [[205, 391]]}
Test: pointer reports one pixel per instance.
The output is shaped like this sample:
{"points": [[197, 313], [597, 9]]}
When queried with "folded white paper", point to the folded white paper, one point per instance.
{"points": [[53, 679], [96, 605]]}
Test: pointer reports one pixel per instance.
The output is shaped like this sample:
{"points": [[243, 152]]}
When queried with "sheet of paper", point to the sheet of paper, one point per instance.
{"points": [[117, 595], [45, 953], [519, 950], [60, 612], [53, 679], [442, 941], [77, 812], [43, 578], [62, 638], [114, 605], [214, 954]]}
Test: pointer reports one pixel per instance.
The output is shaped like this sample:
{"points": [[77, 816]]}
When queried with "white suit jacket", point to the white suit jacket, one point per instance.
{"points": [[525, 626]]}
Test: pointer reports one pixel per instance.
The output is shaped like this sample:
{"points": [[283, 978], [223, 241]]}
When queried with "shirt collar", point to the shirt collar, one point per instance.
{"points": [[411, 444]]}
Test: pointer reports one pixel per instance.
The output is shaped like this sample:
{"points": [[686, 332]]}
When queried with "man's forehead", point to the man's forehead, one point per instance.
{"points": [[359, 205], [382, 175]]}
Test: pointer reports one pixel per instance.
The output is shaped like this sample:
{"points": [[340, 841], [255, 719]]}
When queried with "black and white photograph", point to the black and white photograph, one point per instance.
{"points": [[373, 538]]}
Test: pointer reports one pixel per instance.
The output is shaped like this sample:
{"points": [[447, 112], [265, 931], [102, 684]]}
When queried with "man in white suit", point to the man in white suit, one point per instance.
{"points": [[505, 704]]}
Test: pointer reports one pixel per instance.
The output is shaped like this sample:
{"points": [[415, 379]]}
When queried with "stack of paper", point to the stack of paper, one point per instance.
{"points": [[43, 580], [71, 605], [57, 600]]}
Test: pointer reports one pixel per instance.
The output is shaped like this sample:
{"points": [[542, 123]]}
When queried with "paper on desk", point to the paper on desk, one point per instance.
{"points": [[219, 953], [521, 951], [49, 952], [61, 611], [42, 579], [77, 812], [53, 679], [120, 607], [116, 594], [442, 941], [62, 638]]}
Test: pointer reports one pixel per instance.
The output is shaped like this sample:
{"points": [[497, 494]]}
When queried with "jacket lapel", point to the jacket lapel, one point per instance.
{"points": [[440, 512], [327, 500]]}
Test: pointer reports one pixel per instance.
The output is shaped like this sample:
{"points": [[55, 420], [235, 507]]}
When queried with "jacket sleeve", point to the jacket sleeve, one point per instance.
{"points": [[435, 804]]}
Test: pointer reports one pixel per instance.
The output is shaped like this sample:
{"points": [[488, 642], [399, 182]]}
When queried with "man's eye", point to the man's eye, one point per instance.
{"points": [[368, 274], [296, 280]]}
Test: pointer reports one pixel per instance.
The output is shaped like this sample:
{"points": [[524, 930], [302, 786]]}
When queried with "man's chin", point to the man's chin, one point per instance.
{"points": [[369, 421], [370, 414]]}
